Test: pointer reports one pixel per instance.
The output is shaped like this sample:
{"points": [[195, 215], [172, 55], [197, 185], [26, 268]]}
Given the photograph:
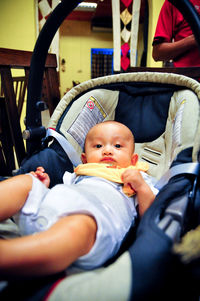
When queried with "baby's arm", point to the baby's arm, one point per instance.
{"points": [[41, 175], [145, 195]]}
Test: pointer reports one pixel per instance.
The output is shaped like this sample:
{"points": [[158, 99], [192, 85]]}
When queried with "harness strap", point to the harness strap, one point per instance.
{"points": [[186, 168], [67, 147]]}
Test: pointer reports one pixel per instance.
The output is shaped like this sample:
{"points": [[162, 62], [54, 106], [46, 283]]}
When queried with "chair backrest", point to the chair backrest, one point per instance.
{"points": [[18, 59], [14, 91], [20, 88], [7, 159]]}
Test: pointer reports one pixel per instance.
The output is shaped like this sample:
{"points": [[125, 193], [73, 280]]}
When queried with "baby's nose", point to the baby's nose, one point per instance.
{"points": [[107, 150]]}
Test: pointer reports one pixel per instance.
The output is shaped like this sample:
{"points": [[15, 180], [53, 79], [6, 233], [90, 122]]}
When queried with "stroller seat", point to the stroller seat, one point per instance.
{"points": [[158, 108], [162, 110]]}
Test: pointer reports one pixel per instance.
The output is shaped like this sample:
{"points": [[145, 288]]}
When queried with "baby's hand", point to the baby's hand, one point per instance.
{"points": [[133, 178], [41, 175], [145, 195]]}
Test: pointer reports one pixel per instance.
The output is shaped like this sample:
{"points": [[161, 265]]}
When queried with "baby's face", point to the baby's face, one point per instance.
{"points": [[110, 143]]}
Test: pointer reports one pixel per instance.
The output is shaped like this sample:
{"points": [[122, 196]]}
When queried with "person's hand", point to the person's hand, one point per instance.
{"points": [[145, 195], [133, 178], [41, 175]]}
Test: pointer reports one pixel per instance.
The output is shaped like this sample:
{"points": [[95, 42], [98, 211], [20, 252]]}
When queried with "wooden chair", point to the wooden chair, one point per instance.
{"points": [[7, 158], [13, 95], [20, 88]]}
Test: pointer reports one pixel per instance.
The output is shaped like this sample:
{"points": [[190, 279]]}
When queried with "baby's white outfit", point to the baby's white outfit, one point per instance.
{"points": [[113, 211]]}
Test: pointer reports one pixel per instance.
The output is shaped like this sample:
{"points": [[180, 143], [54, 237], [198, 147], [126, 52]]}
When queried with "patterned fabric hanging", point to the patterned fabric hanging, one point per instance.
{"points": [[127, 33], [43, 10]]}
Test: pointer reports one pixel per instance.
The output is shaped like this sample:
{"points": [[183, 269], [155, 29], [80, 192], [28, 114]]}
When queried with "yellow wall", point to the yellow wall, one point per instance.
{"points": [[18, 31], [17, 24], [154, 10], [76, 41]]}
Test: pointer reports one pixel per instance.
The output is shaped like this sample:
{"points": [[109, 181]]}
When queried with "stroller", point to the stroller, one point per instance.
{"points": [[162, 110]]}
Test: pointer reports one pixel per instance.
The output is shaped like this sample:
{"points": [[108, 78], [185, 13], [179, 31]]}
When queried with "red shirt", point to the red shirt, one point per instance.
{"points": [[172, 26]]}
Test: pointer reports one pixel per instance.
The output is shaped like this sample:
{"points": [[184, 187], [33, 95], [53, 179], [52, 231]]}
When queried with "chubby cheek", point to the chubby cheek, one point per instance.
{"points": [[125, 161], [93, 157]]}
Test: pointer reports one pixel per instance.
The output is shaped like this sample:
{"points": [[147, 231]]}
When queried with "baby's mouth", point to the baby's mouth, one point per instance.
{"points": [[108, 160]]}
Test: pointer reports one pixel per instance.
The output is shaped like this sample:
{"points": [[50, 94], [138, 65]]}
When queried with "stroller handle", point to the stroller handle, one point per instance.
{"points": [[33, 114]]}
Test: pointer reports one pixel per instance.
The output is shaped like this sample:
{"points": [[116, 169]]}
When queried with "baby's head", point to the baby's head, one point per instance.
{"points": [[110, 142]]}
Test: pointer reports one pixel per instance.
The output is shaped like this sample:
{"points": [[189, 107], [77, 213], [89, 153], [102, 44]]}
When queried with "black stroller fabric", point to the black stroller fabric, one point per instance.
{"points": [[165, 278], [158, 273], [54, 160]]}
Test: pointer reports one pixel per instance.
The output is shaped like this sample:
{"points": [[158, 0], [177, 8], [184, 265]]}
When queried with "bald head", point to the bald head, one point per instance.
{"points": [[114, 126], [111, 142]]}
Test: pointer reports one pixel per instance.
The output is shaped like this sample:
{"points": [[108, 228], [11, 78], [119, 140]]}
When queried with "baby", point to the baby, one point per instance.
{"points": [[81, 222]]}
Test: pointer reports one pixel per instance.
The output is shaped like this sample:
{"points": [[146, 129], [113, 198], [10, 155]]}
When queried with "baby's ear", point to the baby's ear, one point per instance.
{"points": [[134, 159], [83, 158]]}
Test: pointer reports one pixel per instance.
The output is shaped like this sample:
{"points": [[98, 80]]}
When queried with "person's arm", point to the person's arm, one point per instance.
{"points": [[144, 193], [166, 51]]}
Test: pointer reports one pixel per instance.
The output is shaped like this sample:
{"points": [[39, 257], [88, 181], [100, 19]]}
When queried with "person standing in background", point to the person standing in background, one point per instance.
{"points": [[173, 39]]}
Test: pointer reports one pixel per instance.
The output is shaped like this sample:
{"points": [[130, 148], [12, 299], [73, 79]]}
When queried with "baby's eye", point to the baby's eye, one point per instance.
{"points": [[117, 145], [98, 145]]}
